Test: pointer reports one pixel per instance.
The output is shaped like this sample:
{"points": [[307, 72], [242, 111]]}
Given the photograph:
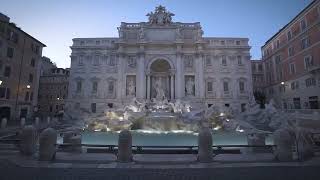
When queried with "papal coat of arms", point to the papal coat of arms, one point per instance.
{"points": [[161, 16]]}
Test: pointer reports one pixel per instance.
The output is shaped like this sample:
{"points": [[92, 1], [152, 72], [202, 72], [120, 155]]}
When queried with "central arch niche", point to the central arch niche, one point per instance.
{"points": [[161, 80]]}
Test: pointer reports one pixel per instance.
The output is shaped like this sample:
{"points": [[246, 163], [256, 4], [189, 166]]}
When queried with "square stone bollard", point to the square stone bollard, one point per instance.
{"points": [[256, 139], [284, 142], [4, 123], [125, 146], [74, 139], [47, 144], [76, 144], [28, 140], [205, 151], [23, 122]]}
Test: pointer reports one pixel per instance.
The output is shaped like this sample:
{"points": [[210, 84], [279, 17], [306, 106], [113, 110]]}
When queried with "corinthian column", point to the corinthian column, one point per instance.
{"points": [[141, 81], [121, 86], [179, 77], [199, 66]]}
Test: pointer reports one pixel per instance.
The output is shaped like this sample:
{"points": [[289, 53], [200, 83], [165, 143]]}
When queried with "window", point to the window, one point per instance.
{"points": [[277, 43], [79, 86], [290, 51], [132, 62], [260, 68], [303, 24], [278, 59], [225, 86], [93, 107], [33, 62], [27, 96], [222, 43], [10, 52], [81, 43], [81, 60], [7, 71], [110, 105], [224, 60], [243, 107], [294, 85], [2, 92], [237, 43], [95, 87], [282, 89], [296, 103], [289, 35], [308, 62], [305, 43], [97, 42], [30, 78], [239, 59], [241, 86], [112, 61], [208, 61], [50, 109], [96, 60], [292, 68], [209, 86], [253, 67], [310, 82], [313, 102]]}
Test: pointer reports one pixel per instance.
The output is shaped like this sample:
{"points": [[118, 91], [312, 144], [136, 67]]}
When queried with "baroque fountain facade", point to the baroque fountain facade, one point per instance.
{"points": [[164, 75], [159, 59]]}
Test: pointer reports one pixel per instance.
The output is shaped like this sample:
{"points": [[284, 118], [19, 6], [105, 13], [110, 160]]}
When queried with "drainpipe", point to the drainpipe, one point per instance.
{"points": [[19, 81]]}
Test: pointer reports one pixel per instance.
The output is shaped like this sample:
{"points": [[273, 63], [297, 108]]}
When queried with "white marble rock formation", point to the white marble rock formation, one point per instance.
{"points": [[284, 142], [205, 151], [125, 146], [28, 142], [304, 144], [47, 142], [3, 123]]}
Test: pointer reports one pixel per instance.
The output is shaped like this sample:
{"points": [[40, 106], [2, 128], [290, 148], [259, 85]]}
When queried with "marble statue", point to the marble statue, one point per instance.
{"points": [[131, 88], [189, 87], [141, 34], [160, 94]]}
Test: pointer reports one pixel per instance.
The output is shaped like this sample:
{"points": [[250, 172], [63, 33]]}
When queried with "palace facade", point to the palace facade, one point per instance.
{"points": [[159, 59]]}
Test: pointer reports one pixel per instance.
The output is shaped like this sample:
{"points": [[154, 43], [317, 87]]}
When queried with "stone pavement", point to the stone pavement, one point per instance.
{"points": [[91, 166]]}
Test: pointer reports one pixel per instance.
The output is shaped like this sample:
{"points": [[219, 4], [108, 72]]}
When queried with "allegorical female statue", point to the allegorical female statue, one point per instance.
{"points": [[159, 90], [189, 87]]}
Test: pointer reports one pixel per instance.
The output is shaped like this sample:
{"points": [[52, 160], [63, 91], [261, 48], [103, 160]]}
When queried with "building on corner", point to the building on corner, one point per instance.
{"points": [[20, 54]]}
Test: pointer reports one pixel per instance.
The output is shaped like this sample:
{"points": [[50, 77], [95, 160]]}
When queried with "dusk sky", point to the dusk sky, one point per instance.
{"points": [[56, 23]]}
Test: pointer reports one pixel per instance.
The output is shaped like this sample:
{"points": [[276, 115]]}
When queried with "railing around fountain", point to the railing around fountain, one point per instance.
{"points": [[217, 149]]}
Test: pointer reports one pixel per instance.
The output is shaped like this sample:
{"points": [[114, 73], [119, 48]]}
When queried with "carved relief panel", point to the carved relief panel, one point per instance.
{"points": [[188, 63]]}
